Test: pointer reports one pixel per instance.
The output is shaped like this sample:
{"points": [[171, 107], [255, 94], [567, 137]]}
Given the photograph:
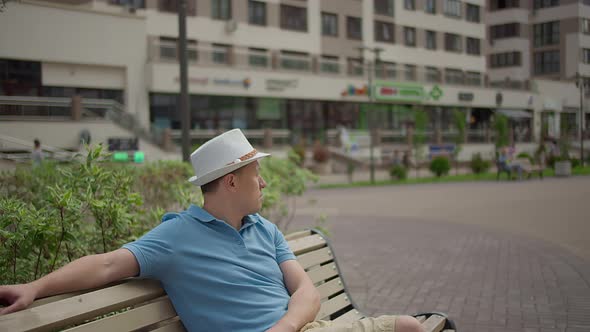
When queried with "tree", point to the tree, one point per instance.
{"points": [[460, 123], [501, 128]]}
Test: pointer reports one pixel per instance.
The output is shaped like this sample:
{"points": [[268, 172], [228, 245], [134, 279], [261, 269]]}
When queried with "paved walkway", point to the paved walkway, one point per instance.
{"points": [[496, 256]]}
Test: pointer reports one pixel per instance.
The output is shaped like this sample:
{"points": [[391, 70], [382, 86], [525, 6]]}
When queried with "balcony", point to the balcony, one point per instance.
{"points": [[166, 51]]}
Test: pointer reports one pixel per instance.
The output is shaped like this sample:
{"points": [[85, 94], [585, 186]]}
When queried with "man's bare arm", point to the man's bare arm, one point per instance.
{"points": [[84, 273], [305, 299]]}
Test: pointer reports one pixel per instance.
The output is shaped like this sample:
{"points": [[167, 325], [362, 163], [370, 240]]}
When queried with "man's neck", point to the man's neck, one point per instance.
{"points": [[220, 210]]}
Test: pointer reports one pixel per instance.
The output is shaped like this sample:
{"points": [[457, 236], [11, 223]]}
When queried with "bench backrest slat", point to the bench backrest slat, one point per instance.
{"points": [[133, 319], [330, 288], [350, 316], [333, 305], [306, 244]]}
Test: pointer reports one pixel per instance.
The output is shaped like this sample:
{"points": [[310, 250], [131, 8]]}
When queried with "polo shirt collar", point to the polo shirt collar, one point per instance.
{"points": [[204, 216]]}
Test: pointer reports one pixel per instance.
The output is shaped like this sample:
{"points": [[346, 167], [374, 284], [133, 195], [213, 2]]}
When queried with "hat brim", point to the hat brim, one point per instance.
{"points": [[206, 178]]}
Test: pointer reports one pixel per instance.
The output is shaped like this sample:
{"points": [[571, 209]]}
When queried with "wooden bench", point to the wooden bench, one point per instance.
{"points": [[528, 168], [142, 304]]}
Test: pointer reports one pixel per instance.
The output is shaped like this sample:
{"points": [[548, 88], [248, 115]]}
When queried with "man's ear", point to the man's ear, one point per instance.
{"points": [[230, 182]]}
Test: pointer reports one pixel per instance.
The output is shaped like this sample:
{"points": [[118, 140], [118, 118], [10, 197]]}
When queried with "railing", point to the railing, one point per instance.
{"points": [[256, 59], [52, 152], [255, 136], [56, 108]]}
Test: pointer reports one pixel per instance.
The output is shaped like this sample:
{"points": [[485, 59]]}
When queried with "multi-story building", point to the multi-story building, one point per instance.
{"points": [[540, 39], [286, 64]]}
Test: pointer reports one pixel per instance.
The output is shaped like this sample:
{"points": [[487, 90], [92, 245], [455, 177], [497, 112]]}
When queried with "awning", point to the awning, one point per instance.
{"points": [[515, 114]]}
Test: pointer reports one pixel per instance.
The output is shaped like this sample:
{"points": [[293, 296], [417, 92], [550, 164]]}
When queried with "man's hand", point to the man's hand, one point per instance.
{"points": [[17, 297]]}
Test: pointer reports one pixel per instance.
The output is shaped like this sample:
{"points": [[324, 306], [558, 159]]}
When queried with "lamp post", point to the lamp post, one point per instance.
{"points": [[376, 51], [581, 85], [185, 118]]}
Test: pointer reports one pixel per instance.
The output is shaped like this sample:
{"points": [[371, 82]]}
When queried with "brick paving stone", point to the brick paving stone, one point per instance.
{"points": [[486, 278]]}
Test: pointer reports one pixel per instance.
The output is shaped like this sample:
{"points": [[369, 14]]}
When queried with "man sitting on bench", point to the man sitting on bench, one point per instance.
{"points": [[224, 267]]}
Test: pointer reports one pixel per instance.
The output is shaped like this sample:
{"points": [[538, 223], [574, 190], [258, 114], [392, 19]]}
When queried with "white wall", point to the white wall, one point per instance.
{"points": [[58, 34], [76, 75]]}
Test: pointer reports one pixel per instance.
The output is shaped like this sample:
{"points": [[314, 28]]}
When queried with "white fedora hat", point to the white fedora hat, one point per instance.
{"points": [[222, 155]]}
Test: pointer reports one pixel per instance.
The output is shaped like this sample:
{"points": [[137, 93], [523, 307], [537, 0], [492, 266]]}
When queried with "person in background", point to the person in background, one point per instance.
{"points": [[37, 154]]}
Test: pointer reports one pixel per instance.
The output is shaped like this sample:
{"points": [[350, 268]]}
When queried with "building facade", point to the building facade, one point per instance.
{"points": [[306, 66]]}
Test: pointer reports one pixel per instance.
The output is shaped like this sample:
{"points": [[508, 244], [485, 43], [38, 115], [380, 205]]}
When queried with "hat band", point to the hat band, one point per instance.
{"points": [[247, 156]]}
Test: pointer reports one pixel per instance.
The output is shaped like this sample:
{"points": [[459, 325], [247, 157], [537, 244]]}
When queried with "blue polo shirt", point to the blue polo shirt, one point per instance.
{"points": [[218, 278]]}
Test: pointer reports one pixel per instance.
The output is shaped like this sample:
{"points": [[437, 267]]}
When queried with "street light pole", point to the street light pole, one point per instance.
{"points": [[580, 84], [185, 118], [370, 67]]}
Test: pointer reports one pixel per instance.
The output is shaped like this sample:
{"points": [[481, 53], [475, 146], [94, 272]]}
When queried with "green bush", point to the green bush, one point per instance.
{"points": [[440, 166], [398, 172], [298, 154], [575, 162], [478, 164], [524, 155], [53, 214]]}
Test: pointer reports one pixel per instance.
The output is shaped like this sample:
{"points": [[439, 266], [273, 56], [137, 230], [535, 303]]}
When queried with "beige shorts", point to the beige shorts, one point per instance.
{"points": [[379, 324]]}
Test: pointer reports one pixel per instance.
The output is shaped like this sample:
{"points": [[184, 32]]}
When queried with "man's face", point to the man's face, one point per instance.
{"points": [[250, 184]]}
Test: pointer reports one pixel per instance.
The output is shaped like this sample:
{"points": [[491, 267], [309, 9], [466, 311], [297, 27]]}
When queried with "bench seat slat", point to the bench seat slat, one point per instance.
{"points": [[322, 273], [79, 308], [330, 288], [434, 323], [134, 319], [175, 326], [306, 244], [332, 305], [316, 257]]}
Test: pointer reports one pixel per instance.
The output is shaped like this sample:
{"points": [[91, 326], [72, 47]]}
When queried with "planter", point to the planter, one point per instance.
{"points": [[563, 168], [323, 168]]}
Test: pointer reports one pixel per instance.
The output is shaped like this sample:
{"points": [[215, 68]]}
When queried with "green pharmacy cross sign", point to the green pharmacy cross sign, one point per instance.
{"points": [[393, 91]]}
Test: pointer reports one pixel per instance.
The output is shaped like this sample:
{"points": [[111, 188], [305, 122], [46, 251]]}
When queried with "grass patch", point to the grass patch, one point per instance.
{"points": [[446, 179]]}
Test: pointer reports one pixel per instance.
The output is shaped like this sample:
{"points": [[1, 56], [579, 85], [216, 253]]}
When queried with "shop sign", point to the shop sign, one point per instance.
{"points": [[280, 85], [352, 90], [465, 96], [245, 83], [399, 91], [194, 80]]}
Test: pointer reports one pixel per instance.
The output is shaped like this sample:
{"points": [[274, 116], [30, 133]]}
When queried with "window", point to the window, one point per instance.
{"points": [[258, 57], [329, 64], [409, 4], [430, 40], [221, 9], [585, 26], [546, 62], [191, 50], [586, 55], [504, 30], [452, 8], [355, 67], [293, 18], [168, 48], [171, 6], [354, 28], [385, 70], [472, 13], [546, 34], [383, 7], [453, 76], [473, 78], [504, 4], [452, 42], [257, 12], [129, 3], [410, 72], [384, 32], [430, 6], [329, 24], [538, 4], [507, 59], [473, 47], [220, 53], [410, 36], [295, 61], [433, 75]]}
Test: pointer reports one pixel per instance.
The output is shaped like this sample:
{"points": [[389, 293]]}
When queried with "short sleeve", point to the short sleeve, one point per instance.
{"points": [[155, 251], [283, 251]]}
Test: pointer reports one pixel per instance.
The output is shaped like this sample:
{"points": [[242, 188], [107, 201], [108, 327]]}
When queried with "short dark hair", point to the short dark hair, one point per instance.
{"points": [[37, 142], [212, 186]]}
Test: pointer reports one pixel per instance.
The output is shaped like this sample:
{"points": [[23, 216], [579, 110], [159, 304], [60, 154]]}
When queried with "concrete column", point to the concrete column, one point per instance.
{"points": [[267, 143], [76, 107]]}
